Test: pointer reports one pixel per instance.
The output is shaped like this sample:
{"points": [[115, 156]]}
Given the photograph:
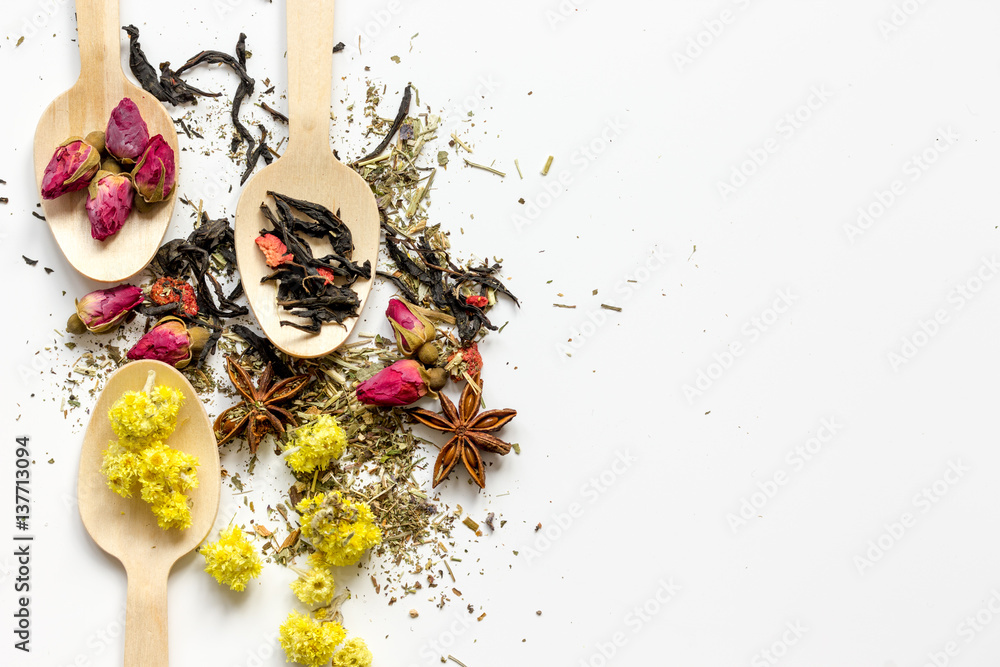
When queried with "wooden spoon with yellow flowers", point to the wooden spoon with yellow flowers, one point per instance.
{"points": [[471, 431]]}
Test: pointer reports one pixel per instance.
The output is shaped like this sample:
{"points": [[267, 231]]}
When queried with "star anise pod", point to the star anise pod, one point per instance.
{"points": [[471, 431], [259, 411]]}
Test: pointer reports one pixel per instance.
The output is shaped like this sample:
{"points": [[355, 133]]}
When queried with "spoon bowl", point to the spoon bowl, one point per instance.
{"points": [[85, 108], [126, 528], [308, 170]]}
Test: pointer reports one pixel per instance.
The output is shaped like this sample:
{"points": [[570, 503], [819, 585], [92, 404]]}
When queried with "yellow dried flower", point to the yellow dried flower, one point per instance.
{"points": [[314, 587], [309, 642], [316, 445], [232, 560], [121, 467], [170, 468], [340, 530], [140, 418], [170, 508], [354, 653]]}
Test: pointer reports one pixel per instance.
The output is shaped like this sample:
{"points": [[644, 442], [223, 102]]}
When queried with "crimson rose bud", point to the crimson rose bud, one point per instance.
{"points": [[103, 310], [411, 328], [71, 168], [402, 383], [109, 201], [154, 175], [127, 135], [170, 342]]}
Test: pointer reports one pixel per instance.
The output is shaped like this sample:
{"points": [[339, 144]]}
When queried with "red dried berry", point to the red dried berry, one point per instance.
{"points": [[326, 273], [470, 360], [476, 300], [170, 290], [274, 250]]}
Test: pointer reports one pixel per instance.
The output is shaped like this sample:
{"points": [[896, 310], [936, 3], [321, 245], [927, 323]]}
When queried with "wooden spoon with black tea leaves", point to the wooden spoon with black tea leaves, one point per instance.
{"points": [[126, 528], [83, 109], [307, 171]]}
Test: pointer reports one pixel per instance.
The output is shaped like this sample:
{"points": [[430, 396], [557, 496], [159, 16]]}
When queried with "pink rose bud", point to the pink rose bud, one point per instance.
{"points": [[103, 310], [154, 175], [109, 201], [412, 329], [72, 166], [402, 383], [171, 342], [127, 135]]}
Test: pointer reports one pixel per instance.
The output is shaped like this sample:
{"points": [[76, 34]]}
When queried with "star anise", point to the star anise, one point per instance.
{"points": [[471, 431], [259, 411]]}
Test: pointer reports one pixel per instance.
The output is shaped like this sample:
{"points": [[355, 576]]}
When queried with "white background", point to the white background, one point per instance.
{"points": [[823, 549]]}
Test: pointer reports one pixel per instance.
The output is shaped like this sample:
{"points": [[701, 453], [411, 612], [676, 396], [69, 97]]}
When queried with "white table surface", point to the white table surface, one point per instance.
{"points": [[783, 449]]}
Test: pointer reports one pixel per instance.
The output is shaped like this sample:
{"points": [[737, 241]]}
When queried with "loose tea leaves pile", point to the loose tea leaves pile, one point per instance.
{"points": [[169, 87], [306, 284]]}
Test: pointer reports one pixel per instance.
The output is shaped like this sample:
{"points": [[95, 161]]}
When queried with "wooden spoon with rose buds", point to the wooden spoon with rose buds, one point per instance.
{"points": [[126, 528], [307, 170], [83, 109]]}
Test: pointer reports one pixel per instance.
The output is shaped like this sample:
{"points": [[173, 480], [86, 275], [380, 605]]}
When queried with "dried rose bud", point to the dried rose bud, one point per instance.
{"points": [[168, 290], [402, 383], [466, 359], [71, 168], [105, 309], [477, 300], [127, 134], [154, 175], [109, 201], [274, 250], [171, 342], [412, 329]]}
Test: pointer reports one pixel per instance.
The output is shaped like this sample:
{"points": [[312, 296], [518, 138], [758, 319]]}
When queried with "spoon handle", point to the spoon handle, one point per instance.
{"points": [[310, 65], [146, 618], [100, 40]]}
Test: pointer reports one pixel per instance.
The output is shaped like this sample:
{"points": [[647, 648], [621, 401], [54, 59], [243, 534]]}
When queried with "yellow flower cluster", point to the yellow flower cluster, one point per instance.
{"points": [[314, 587], [232, 560], [340, 530], [308, 641], [140, 417], [354, 653], [142, 420], [316, 445]]}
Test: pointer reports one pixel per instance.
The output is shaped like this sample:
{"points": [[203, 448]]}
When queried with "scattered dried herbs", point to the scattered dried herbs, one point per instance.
{"points": [[169, 87]]}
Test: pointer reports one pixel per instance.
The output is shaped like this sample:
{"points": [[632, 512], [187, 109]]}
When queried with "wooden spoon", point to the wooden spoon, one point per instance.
{"points": [[307, 170], [127, 529], [85, 108]]}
